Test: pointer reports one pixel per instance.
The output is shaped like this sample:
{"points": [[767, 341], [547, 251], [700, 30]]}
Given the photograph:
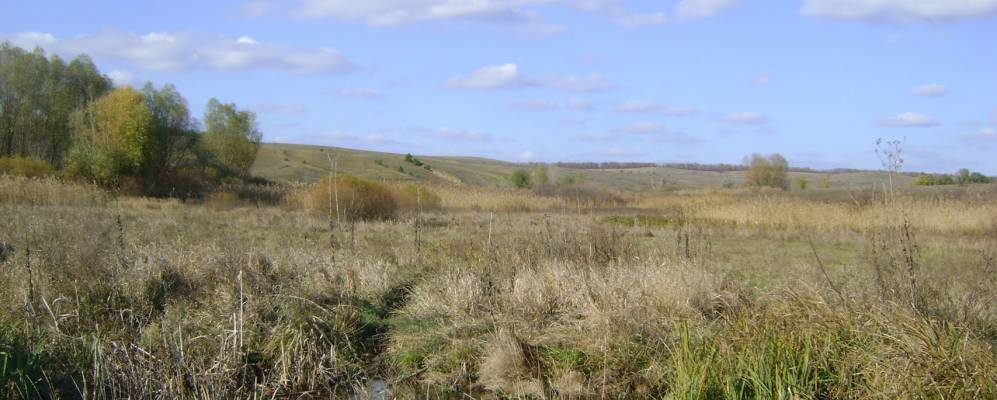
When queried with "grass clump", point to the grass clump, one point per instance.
{"points": [[26, 167], [350, 198]]}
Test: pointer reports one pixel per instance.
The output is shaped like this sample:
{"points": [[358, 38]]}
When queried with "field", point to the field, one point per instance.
{"points": [[709, 293], [304, 163]]}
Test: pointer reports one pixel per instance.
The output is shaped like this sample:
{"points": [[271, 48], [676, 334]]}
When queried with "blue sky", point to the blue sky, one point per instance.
{"points": [[567, 80]]}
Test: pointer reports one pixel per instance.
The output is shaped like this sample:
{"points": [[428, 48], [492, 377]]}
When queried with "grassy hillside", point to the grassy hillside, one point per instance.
{"points": [[304, 163]]}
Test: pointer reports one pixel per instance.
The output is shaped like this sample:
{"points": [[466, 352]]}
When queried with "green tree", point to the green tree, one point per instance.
{"points": [[962, 176], [174, 132], [231, 138], [768, 171], [113, 137], [521, 179]]}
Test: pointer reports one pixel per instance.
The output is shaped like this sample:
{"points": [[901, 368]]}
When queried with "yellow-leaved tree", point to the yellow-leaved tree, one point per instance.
{"points": [[111, 137]]}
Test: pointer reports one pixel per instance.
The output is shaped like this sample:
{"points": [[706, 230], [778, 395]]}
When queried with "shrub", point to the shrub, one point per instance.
{"points": [[416, 198], [521, 179], [358, 199], [767, 171], [802, 183], [27, 167]]}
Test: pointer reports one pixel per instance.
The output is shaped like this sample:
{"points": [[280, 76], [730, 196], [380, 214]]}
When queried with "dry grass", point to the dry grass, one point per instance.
{"points": [[700, 296]]}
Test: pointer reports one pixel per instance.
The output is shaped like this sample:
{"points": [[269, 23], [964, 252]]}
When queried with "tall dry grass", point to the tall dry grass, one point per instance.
{"points": [[149, 298]]}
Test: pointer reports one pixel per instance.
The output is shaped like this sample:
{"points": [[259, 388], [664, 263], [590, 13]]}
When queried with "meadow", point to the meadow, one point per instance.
{"points": [[499, 293]]}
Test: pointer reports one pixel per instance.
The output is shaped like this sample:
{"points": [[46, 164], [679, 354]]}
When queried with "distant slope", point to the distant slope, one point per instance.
{"points": [[306, 163]]}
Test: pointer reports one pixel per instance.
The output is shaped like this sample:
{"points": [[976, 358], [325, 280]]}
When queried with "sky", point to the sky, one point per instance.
{"points": [[706, 81]]}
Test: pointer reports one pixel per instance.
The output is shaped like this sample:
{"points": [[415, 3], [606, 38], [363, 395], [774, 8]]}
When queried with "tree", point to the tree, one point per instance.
{"points": [[113, 137], [962, 176], [37, 97], [231, 137], [174, 132], [768, 171], [521, 179]]}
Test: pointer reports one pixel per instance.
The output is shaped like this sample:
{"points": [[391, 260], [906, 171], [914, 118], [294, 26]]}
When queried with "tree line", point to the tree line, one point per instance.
{"points": [[72, 117]]}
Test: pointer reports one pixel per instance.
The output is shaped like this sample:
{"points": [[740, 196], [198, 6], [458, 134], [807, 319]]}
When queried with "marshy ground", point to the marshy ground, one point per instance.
{"points": [[501, 294]]}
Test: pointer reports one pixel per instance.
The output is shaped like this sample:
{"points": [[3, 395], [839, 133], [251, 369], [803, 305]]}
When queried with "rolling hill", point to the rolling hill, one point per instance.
{"points": [[307, 163]]}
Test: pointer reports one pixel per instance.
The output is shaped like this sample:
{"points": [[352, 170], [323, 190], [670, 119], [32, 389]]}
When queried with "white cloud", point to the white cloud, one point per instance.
{"points": [[507, 76], [172, 51], [909, 119], [460, 134], [930, 90], [535, 105], [637, 106], [527, 155], [358, 93], [524, 13], [642, 128], [490, 77], [746, 117], [899, 10], [618, 152], [122, 77], [279, 108], [580, 105], [762, 80], [644, 107], [984, 134], [29, 40], [599, 137], [703, 8]]}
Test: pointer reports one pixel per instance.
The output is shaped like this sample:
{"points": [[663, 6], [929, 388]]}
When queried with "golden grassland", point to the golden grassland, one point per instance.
{"points": [[500, 294]]}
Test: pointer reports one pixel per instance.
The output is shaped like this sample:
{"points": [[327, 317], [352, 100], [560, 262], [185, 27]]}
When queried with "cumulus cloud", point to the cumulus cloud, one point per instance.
{"points": [[646, 107], [527, 155], [460, 134], [908, 120], [930, 90], [899, 10], [746, 117], [172, 51], [703, 8], [507, 76]]}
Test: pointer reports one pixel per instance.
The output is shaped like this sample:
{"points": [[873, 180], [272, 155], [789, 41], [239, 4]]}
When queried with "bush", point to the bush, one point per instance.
{"points": [[27, 167], [521, 179], [223, 201], [416, 198], [768, 171], [358, 199]]}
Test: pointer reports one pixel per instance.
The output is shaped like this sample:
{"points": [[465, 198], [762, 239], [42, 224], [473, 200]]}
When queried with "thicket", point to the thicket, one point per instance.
{"points": [[770, 171], [71, 118], [961, 177]]}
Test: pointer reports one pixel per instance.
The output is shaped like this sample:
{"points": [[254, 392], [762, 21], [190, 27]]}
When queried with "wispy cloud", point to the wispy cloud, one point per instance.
{"points": [[644, 107], [703, 8], [279, 108], [508, 76], [461, 134], [899, 10], [930, 90], [909, 120], [762, 80], [172, 51], [746, 117], [357, 93], [534, 105]]}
